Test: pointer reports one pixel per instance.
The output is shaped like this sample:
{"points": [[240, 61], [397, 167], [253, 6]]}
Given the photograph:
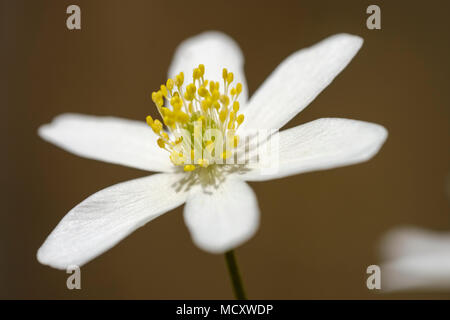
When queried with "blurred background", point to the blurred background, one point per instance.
{"points": [[319, 231]]}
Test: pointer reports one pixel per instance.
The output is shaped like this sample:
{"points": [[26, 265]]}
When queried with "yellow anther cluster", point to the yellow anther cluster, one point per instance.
{"points": [[202, 103]]}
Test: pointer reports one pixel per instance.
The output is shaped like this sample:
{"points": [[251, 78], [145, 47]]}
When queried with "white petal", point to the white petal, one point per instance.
{"points": [[216, 51], [415, 258], [224, 218], [406, 241], [120, 141], [297, 81], [317, 145], [102, 220]]}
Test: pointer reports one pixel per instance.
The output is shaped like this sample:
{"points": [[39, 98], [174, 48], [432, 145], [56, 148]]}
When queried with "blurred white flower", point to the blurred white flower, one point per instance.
{"points": [[224, 216], [415, 259]]}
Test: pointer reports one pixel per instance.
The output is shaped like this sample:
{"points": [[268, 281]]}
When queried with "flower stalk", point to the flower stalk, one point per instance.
{"points": [[236, 281]]}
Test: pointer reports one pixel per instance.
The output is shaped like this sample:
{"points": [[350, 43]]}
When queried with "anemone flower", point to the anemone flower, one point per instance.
{"points": [[415, 258], [221, 210]]}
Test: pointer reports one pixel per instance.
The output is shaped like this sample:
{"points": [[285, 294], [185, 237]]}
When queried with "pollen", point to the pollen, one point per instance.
{"points": [[192, 110]]}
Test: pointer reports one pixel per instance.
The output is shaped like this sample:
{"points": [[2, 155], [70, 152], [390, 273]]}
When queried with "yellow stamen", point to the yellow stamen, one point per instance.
{"points": [[203, 163], [161, 143], [200, 105], [189, 167], [226, 154], [149, 120], [236, 141]]}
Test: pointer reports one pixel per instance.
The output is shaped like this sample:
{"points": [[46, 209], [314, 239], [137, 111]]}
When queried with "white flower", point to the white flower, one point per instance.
{"points": [[415, 259], [224, 216]]}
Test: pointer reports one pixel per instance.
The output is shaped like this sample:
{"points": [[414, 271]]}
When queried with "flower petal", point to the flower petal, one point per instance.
{"points": [[216, 51], [415, 258], [224, 218], [297, 81], [106, 217], [407, 241], [120, 141], [317, 145]]}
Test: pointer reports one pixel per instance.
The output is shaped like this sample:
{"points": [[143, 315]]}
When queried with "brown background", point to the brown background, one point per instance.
{"points": [[319, 230]]}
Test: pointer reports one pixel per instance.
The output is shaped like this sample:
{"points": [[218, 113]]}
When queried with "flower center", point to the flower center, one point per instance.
{"points": [[201, 119]]}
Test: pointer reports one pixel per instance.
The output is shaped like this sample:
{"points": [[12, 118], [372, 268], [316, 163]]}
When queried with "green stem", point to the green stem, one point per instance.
{"points": [[236, 280]]}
